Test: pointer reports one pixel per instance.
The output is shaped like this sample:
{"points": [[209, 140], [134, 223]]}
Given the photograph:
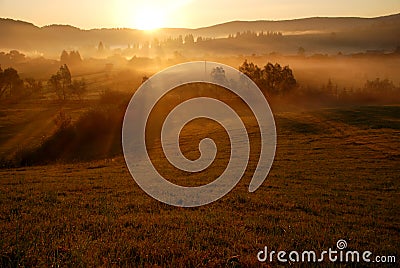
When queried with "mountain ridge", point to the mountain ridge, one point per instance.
{"points": [[390, 16], [347, 34]]}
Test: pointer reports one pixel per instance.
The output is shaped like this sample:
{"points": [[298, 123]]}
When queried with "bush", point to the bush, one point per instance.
{"points": [[96, 134]]}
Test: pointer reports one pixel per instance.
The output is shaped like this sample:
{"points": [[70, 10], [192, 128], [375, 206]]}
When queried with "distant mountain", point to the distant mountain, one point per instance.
{"points": [[315, 34], [339, 24]]}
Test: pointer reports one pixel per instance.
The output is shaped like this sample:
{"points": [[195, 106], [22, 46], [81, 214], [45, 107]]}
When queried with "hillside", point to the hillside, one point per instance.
{"points": [[335, 176], [346, 34]]}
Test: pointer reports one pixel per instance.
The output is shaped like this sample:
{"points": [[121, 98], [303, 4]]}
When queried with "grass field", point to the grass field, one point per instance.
{"points": [[335, 176], [26, 123]]}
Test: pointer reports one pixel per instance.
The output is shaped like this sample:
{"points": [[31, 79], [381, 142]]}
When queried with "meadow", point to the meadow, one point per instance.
{"points": [[335, 176], [67, 198]]}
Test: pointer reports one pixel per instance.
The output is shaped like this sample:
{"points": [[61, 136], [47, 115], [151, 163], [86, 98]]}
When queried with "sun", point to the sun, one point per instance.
{"points": [[149, 19]]}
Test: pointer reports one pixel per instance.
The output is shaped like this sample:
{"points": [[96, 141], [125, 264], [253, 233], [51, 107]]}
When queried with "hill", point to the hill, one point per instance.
{"points": [[335, 176], [317, 34]]}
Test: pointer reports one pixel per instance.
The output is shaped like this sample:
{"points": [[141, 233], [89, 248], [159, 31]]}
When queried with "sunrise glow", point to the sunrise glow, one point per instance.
{"points": [[148, 19], [153, 14]]}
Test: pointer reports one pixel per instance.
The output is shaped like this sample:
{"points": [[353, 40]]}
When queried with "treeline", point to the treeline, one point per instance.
{"points": [[190, 40], [275, 80], [12, 57], [12, 86], [61, 83], [272, 79], [253, 35], [376, 91]]}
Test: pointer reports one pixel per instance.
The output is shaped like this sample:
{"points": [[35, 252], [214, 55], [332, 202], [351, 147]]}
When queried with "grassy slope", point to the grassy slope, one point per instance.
{"points": [[27, 123], [335, 176]]}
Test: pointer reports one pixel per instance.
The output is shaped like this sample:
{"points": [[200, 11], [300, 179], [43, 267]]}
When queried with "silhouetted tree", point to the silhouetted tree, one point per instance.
{"points": [[65, 76], [16, 57], [379, 86], [75, 57], [331, 89], [301, 51], [10, 81], [64, 58], [272, 79], [78, 88], [54, 84], [63, 85], [179, 40], [189, 39], [252, 71], [218, 75], [70, 58], [155, 43], [100, 47], [2, 83], [32, 86], [60, 82]]}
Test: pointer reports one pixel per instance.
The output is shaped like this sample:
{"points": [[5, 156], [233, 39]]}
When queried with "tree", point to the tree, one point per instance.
{"points": [[16, 57], [10, 81], [78, 88], [288, 81], [2, 82], [272, 79], [379, 86], [64, 58], [100, 47], [179, 40], [75, 57], [54, 84], [65, 78], [218, 75], [32, 86], [301, 51], [63, 85], [251, 70], [60, 82], [71, 58], [189, 40]]}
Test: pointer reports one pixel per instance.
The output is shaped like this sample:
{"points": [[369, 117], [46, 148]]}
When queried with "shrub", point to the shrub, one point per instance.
{"points": [[96, 134]]}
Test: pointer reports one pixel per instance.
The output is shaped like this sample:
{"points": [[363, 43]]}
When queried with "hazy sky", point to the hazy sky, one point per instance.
{"points": [[183, 13]]}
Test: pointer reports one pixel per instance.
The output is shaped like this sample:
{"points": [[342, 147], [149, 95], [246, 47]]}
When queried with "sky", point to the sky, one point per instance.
{"points": [[151, 14]]}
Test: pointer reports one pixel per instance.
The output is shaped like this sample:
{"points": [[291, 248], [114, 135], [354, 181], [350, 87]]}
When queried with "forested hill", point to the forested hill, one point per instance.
{"points": [[381, 33]]}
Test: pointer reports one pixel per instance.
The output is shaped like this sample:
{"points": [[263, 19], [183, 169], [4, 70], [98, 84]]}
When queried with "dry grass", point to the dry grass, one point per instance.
{"points": [[27, 123], [335, 176]]}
